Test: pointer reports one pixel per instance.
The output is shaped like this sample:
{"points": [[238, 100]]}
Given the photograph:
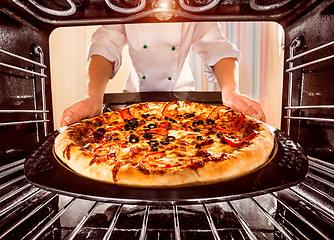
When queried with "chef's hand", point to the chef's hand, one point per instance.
{"points": [[243, 103], [87, 107]]}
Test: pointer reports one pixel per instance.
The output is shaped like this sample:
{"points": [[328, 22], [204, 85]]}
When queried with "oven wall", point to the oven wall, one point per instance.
{"points": [[20, 90], [311, 85]]}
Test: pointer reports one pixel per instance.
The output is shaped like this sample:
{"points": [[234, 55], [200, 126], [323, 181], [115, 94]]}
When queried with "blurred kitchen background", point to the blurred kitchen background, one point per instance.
{"points": [[261, 66]]}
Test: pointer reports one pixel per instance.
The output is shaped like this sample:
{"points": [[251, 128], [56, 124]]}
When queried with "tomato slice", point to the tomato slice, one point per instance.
{"points": [[125, 114]]}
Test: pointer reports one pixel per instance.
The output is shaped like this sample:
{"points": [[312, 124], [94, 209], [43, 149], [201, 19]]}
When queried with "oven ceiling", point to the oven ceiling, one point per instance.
{"points": [[91, 12]]}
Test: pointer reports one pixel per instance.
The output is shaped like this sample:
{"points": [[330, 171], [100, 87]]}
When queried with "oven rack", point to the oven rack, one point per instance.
{"points": [[296, 44], [305, 211], [41, 66], [144, 9]]}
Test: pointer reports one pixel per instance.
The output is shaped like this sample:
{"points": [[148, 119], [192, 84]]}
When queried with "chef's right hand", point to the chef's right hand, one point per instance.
{"points": [[87, 107]]}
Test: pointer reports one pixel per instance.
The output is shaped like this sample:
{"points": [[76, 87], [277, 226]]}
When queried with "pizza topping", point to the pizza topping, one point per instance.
{"points": [[199, 137], [153, 143], [115, 170], [161, 131], [170, 119], [148, 136], [214, 112], [194, 164], [237, 142], [239, 122], [190, 115], [125, 114], [151, 126], [170, 138], [199, 122], [133, 138], [170, 109], [131, 124], [67, 151], [210, 121]]}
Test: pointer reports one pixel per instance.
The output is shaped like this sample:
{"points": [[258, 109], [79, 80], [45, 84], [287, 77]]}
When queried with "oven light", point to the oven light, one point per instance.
{"points": [[163, 6]]}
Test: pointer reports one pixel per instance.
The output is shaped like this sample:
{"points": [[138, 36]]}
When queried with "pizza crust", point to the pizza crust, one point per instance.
{"points": [[241, 162]]}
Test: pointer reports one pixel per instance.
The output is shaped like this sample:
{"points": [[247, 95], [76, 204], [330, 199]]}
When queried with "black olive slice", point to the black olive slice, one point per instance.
{"points": [[164, 142], [170, 138], [151, 125], [210, 121], [133, 138], [200, 137], [190, 115], [153, 143], [148, 136]]}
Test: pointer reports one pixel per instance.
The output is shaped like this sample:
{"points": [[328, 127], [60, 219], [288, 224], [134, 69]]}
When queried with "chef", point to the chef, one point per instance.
{"points": [[158, 54]]}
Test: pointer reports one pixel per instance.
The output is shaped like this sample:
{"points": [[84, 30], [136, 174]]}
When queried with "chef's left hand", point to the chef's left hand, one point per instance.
{"points": [[242, 103]]}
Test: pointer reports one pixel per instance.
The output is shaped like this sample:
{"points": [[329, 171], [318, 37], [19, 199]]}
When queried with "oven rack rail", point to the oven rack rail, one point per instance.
{"points": [[296, 44], [41, 73], [305, 211], [143, 9]]}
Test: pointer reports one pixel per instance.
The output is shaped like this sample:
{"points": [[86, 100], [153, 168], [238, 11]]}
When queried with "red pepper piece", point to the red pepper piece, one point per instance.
{"points": [[164, 125], [170, 166], [125, 114], [251, 136], [240, 121], [152, 154], [214, 112], [231, 141], [168, 112], [161, 131], [237, 142]]}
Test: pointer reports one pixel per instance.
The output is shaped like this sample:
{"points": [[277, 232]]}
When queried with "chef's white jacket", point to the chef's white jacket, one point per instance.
{"points": [[159, 52]]}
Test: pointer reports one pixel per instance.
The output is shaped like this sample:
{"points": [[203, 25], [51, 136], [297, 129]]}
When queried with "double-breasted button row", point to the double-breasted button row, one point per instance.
{"points": [[144, 77], [173, 48]]}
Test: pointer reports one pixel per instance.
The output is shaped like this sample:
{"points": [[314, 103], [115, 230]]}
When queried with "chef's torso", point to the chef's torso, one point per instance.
{"points": [[159, 52], [158, 57]]}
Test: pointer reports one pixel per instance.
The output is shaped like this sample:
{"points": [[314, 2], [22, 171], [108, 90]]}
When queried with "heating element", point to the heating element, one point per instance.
{"points": [[304, 211]]}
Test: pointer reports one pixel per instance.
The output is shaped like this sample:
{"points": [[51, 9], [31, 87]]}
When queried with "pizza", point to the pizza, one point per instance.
{"points": [[165, 144]]}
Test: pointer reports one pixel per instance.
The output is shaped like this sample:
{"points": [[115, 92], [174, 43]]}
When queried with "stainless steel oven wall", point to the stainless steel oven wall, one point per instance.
{"points": [[308, 90], [25, 93]]}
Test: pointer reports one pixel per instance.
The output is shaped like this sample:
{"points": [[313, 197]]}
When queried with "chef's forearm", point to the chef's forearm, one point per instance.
{"points": [[227, 74], [99, 71]]}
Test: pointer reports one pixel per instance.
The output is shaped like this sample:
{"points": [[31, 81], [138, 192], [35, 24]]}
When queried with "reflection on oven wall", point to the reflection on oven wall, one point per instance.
{"points": [[261, 66]]}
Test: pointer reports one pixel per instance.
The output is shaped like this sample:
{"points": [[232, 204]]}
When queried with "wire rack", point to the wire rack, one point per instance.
{"points": [[305, 211]]}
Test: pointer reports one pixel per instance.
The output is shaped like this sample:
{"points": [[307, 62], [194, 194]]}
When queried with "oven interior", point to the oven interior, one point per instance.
{"points": [[304, 211]]}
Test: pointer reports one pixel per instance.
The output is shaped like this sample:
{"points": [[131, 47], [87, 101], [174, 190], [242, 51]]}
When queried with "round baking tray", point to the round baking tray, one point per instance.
{"points": [[287, 166]]}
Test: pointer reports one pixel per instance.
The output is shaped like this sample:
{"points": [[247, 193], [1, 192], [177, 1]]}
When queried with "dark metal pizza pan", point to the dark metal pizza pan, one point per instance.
{"points": [[288, 166]]}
